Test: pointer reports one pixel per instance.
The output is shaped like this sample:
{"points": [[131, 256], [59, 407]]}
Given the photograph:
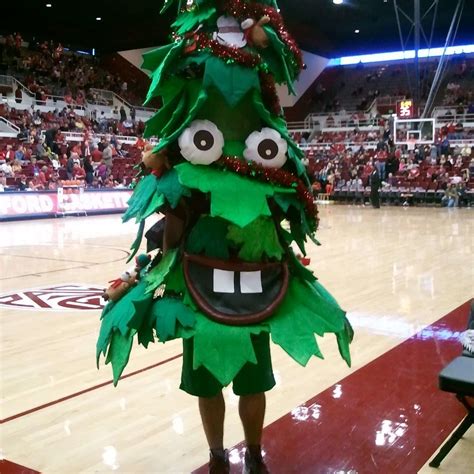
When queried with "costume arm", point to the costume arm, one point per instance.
{"points": [[174, 231]]}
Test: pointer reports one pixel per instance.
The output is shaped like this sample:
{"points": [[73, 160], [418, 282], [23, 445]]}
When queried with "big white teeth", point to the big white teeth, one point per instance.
{"points": [[251, 282], [223, 282]]}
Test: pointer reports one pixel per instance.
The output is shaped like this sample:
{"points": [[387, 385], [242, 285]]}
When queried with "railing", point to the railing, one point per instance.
{"points": [[79, 137], [315, 147], [315, 119], [299, 126], [109, 97], [446, 115], [6, 80], [10, 124]]}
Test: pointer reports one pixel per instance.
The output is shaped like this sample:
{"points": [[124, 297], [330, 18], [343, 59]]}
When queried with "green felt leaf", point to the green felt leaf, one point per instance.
{"points": [[298, 269], [159, 73], [221, 349], [208, 236], [232, 80], [142, 195], [257, 239], [176, 118], [158, 121], [344, 338], [252, 194], [196, 59], [142, 323], [152, 59], [121, 314], [158, 274], [304, 312], [172, 87], [145, 336], [295, 154], [297, 232], [197, 99], [156, 203], [167, 312], [283, 53], [119, 353], [284, 201], [170, 187], [137, 242], [175, 280], [187, 21]]}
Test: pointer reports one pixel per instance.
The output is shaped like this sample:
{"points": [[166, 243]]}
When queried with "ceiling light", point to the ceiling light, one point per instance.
{"points": [[48, 5], [337, 2], [98, 18], [356, 31]]}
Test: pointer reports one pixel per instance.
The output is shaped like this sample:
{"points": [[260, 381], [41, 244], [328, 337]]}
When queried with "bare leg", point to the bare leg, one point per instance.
{"points": [[212, 414], [252, 414]]}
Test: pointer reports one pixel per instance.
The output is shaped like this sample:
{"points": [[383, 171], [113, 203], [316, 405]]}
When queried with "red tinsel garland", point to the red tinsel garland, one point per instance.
{"points": [[242, 9], [245, 58], [269, 93], [274, 176]]}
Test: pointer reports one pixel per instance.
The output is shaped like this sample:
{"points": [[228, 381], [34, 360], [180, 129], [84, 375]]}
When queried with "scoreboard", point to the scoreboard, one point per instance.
{"points": [[405, 109]]}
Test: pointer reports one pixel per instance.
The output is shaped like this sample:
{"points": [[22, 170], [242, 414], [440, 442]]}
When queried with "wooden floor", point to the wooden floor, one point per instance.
{"points": [[395, 270]]}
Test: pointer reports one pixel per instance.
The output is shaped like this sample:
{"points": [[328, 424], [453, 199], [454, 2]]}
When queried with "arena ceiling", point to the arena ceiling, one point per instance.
{"points": [[319, 26]]}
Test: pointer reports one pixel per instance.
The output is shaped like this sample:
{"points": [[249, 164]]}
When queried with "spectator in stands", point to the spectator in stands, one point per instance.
{"points": [[3, 181], [101, 172], [70, 166], [89, 169], [466, 150], [78, 172], [96, 155], [43, 176], [450, 197], [50, 138], [9, 154], [18, 95], [107, 156], [20, 153], [16, 167], [123, 114], [375, 189], [6, 169], [40, 150], [35, 184]]}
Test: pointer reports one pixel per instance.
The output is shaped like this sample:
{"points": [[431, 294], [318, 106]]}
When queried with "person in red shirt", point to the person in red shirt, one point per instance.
{"points": [[78, 172], [96, 155]]}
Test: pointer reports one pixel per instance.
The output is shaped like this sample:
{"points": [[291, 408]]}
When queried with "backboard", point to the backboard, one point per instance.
{"points": [[414, 131]]}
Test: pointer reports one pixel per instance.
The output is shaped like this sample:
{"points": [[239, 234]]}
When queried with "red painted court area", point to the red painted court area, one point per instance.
{"points": [[387, 417]]}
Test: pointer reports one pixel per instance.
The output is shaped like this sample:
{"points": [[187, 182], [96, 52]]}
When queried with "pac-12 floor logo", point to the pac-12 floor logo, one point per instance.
{"points": [[69, 297]]}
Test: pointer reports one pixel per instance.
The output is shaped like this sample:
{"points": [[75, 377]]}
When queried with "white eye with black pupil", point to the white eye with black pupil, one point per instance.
{"points": [[266, 148], [201, 143]]}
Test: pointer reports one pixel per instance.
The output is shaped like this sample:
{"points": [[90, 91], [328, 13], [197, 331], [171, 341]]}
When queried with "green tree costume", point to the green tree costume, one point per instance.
{"points": [[230, 151]]}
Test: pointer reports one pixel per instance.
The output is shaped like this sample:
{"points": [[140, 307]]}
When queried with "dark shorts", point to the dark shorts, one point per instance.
{"points": [[252, 378]]}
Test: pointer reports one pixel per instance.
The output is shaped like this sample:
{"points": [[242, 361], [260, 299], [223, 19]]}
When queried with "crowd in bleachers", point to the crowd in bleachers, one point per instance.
{"points": [[45, 68], [337, 168], [67, 120], [45, 164]]}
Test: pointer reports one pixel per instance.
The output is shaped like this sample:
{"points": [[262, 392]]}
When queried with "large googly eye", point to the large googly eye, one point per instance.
{"points": [[266, 148], [201, 143]]}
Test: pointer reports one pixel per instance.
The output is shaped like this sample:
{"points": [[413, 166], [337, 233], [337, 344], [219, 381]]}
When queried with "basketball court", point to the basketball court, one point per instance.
{"points": [[403, 274]]}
